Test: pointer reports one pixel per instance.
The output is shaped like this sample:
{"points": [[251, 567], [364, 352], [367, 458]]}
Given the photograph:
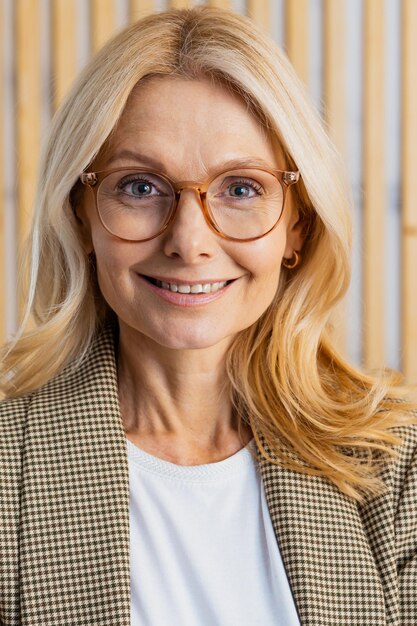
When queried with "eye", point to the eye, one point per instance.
{"points": [[137, 186], [243, 188]]}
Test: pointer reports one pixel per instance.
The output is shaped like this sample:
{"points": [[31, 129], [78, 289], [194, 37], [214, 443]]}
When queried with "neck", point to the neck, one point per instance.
{"points": [[176, 395]]}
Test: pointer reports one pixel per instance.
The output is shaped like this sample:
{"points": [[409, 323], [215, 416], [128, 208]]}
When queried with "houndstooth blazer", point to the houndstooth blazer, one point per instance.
{"points": [[64, 518]]}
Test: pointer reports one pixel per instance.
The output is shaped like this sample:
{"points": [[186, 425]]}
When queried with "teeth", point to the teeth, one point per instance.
{"points": [[199, 288]]}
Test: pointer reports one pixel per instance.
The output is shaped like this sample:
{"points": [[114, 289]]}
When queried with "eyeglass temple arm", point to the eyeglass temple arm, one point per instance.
{"points": [[89, 178], [289, 178]]}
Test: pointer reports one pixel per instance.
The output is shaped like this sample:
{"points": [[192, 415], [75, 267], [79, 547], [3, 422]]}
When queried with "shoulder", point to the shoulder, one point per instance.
{"points": [[91, 378], [13, 419], [403, 481], [11, 407], [95, 363], [393, 513], [13, 412], [403, 486], [404, 467]]}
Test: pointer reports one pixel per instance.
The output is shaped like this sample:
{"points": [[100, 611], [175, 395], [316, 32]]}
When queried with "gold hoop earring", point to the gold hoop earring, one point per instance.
{"points": [[294, 263]]}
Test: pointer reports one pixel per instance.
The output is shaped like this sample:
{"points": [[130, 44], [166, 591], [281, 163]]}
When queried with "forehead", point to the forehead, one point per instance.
{"points": [[189, 122]]}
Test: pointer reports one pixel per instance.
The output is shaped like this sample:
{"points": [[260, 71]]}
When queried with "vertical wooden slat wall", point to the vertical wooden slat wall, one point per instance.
{"points": [[334, 70], [409, 189], [180, 4], [2, 181], [334, 97], [64, 47], [259, 10], [374, 176], [140, 8], [103, 21], [28, 107], [297, 13], [297, 36], [220, 3]]}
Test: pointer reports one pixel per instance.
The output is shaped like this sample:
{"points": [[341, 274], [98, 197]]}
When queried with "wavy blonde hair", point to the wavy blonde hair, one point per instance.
{"points": [[308, 408]]}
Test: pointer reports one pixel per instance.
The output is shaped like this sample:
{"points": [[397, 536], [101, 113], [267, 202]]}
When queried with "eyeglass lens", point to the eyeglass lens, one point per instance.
{"points": [[243, 203]]}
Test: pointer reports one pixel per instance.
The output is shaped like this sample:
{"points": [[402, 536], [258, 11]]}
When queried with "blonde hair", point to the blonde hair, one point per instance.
{"points": [[308, 408]]}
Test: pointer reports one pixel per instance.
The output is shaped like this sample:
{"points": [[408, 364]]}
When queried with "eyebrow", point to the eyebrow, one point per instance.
{"points": [[158, 165]]}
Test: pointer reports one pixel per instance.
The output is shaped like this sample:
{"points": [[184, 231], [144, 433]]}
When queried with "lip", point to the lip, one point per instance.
{"points": [[185, 299]]}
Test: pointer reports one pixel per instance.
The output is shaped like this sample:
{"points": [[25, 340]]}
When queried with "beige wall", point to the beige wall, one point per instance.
{"points": [[356, 59]]}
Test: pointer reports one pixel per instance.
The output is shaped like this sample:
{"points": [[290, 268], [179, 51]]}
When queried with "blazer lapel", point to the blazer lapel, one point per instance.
{"points": [[326, 554], [74, 551]]}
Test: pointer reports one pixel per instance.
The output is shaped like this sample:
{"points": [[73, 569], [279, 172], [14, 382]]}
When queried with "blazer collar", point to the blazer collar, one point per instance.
{"points": [[74, 549]]}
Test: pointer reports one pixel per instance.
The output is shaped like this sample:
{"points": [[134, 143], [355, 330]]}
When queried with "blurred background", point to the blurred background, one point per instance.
{"points": [[358, 59]]}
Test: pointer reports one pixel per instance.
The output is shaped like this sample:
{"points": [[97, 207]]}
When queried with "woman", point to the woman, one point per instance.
{"points": [[182, 443]]}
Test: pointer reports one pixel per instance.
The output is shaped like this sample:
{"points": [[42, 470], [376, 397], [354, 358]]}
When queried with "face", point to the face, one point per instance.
{"points": [[191, 127]]}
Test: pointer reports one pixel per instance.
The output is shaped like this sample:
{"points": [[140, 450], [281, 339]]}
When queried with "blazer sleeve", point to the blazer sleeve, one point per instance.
{"points": [[12, 424], [406, 530], [390, 524]]}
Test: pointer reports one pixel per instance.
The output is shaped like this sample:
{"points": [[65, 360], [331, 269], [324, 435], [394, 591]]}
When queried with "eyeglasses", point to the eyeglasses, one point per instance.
{"points": [[138, 204]]}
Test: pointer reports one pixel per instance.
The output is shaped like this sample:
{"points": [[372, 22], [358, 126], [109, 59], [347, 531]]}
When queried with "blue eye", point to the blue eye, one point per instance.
{"points": [[240, 190], [243, 187], [136, 186], [141, 188]]}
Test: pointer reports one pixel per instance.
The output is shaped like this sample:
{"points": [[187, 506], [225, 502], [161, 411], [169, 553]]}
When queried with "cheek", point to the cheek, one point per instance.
{"points": [[262, 259], [113, 274], [263, 264], [110, 277]]}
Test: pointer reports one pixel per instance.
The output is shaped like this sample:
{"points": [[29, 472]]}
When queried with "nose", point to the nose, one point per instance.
{"points": [[189, 237]]}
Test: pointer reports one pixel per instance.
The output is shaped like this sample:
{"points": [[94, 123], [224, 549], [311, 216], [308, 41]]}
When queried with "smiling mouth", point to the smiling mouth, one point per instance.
{"points": [[185, 288]]}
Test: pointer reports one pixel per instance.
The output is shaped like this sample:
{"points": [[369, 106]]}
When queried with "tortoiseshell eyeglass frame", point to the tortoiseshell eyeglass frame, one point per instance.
{"points": [[94, 180]]}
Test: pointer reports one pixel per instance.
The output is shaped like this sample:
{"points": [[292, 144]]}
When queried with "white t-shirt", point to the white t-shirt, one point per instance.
{"points": [[202, 546]]}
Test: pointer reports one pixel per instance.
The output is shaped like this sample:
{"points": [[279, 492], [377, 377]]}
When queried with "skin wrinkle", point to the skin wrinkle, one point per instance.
{"points": [[174, 398]]}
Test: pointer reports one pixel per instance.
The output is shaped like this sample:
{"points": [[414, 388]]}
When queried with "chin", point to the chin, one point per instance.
{"points": [[179, 335], [186, 337]]}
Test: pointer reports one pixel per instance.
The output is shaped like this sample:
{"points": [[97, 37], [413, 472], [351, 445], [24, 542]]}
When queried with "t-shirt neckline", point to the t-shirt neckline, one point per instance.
{"points": [[237, 462]]}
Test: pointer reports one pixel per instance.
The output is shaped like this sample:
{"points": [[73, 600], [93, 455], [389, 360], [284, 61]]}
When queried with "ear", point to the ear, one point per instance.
{"points": [[297, 230]]}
